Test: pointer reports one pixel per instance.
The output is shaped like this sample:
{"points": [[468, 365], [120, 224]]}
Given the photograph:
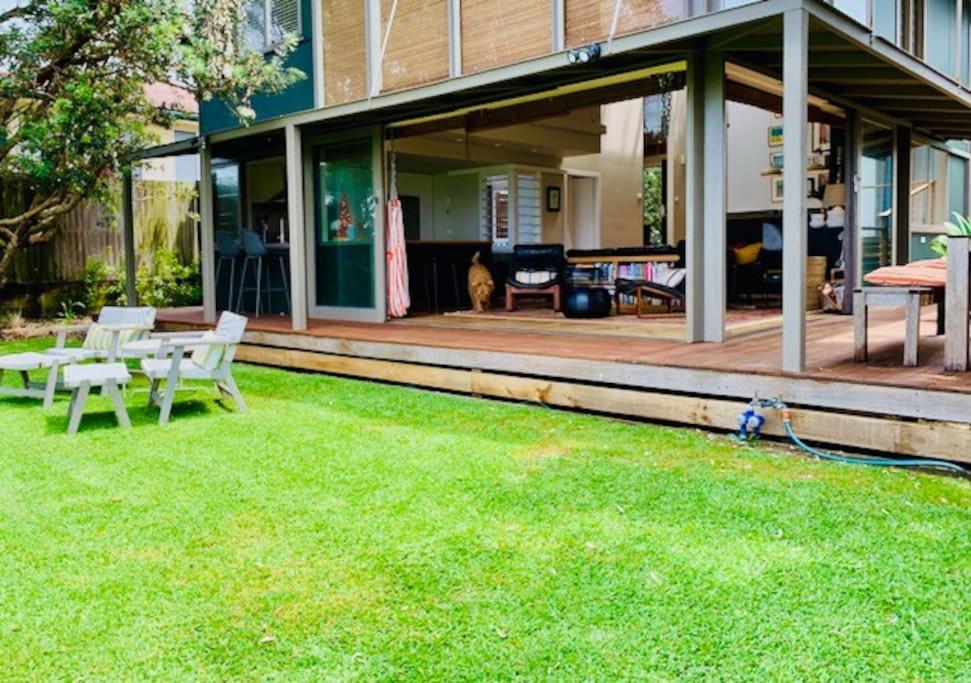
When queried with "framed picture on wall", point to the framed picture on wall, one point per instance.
{"points": [[775, 161], [776, 185], [775, 136], [553, 198]]}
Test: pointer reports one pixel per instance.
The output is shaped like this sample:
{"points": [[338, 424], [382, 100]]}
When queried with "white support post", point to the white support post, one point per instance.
{"points": [[795, 237], [695, 198], [207, 238], [715, 199], [559, 25], [296, 229], [373, 38], [454, 38], [317, 41]]}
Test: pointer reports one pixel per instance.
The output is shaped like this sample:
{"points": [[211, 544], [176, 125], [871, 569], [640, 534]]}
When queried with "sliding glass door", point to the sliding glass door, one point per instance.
{"points": [[347, 231], [876, 198]]}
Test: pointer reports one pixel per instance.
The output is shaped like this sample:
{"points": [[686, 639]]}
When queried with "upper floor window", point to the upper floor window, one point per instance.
{"points": [[267, 21]]}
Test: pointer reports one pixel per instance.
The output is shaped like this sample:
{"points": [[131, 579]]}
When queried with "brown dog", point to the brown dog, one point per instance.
{"points": [[481, 285]]}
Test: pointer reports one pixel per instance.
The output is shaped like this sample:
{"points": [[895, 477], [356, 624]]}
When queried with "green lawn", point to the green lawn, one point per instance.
{"points": [[346, 530]]}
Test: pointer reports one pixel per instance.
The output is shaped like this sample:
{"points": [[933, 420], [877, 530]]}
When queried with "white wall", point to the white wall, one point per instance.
{"points": [[748, 158], [621, 167]]}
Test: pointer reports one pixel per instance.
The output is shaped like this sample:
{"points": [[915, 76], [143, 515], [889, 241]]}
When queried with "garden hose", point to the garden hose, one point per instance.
{"points": [[834, 457]]}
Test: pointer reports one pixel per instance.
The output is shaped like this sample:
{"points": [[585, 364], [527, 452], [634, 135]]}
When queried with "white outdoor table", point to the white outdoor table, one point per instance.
{"points": [[24, 363], [81, 378]]}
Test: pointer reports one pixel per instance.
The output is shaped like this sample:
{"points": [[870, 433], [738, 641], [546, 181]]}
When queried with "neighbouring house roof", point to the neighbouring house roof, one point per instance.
{"points": [[173, 98]]}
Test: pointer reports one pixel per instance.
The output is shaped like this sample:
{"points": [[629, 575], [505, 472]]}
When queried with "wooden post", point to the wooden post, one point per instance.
{"points": [[695, 198], [901, 196], [715, 202], [296, 232], [207, 246], [128, 238], [956, 302], [795, 238]]}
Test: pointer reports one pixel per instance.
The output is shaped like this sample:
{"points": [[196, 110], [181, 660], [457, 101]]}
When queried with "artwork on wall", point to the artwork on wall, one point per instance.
{"points": [[776, 185], [553, 198], [775, 136], [775, 161]]}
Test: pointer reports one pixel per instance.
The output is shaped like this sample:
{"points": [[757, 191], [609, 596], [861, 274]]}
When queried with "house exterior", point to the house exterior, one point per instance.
{"points": [[501, 122]]}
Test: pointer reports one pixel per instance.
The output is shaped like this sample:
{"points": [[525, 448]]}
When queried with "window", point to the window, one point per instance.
{"points": [[497, 208], [927, 189], [855, 8], [941, 48], [267, 21]]}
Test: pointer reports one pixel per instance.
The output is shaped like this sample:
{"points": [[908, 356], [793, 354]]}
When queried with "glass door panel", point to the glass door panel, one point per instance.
{"points": [[876, 198], [344, 224]]}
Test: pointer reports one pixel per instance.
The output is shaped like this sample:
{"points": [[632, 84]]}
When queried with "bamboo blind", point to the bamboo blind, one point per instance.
{"points": [[500, 32], [588, 21], [345, 51], [417, 49]]}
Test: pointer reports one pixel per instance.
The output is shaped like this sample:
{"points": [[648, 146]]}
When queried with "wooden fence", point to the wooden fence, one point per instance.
{"points": [[166, 217]]}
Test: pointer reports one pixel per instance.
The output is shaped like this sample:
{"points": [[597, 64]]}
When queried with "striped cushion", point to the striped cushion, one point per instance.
{"points": [[99, 338], [208, 357]]}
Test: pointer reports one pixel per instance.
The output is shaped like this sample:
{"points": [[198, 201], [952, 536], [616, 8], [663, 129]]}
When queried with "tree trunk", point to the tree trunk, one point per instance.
{"points": [[6, 260]]}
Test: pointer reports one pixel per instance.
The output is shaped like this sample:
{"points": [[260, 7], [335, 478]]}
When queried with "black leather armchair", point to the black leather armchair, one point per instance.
{"points": [[537, 266], [536, 269]]}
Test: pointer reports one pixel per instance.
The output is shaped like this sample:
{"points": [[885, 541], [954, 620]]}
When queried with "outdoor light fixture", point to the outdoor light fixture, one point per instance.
{"points": [[583, 55]]}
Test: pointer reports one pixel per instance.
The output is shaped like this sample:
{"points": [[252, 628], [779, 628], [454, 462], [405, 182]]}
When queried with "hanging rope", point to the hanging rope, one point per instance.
{"points": [[613, 26], [376, 79]]}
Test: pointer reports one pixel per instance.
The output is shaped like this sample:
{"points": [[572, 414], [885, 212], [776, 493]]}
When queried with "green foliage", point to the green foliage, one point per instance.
{"points": [[70, 310], [96, 285], [348, 531], [168, 282], [163, 282], [73, 108], [961, 226], [654, 204]]}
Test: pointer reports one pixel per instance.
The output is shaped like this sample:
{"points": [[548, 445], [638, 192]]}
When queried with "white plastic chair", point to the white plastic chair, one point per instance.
{"points": [[211, 359], [116, 326]]}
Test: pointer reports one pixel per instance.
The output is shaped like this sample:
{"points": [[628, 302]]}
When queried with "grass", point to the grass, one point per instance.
{"points": [[347, 530]]}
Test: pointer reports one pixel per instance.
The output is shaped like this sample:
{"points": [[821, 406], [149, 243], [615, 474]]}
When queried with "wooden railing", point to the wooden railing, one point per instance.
{"points": [[957, 301]]}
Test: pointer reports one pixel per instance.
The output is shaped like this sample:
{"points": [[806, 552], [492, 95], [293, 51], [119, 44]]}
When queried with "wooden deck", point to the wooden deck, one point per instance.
{"points": [[879, 405]]}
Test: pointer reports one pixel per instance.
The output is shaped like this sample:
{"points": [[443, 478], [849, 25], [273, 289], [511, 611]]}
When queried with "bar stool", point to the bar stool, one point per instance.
{"points": [[227, 249], [256, 251]]}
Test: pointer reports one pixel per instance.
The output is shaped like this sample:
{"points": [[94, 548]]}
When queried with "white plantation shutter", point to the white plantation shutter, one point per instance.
{"points": [[267, 21], [284, 18]]}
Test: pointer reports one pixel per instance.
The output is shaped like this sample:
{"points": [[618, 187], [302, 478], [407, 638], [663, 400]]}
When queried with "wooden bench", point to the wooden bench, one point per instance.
{"points": [[908, 297]]}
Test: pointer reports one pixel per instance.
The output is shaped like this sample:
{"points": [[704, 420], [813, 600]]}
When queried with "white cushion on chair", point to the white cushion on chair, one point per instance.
{"points": [[158, 368], [535, 277], [208, 356]]}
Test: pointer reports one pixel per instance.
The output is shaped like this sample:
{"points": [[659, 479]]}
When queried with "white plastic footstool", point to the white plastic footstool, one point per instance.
{"points": [[81, 378], [24, 363]]}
